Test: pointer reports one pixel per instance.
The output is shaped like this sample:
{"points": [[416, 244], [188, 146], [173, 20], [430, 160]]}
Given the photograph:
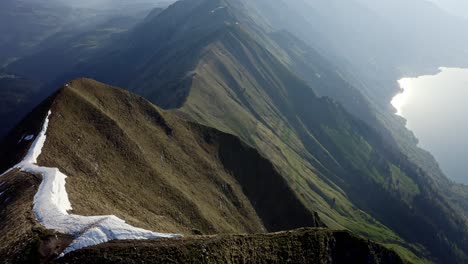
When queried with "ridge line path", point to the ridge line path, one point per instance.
{"points": [[51, 206]]}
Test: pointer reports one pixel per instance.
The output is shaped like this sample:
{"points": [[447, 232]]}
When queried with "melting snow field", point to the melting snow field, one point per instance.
{"points": [[51, 206]]}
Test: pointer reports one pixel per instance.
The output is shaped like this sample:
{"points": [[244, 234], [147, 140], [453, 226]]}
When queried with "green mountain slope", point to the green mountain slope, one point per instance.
{"points": [[222, 74], [323, 152], [329, 80], [369, 54], [181, 176], [124, 156], [215, 63]]}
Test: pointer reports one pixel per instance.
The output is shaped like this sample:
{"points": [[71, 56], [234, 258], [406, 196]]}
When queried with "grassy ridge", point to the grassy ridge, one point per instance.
{"points": [[298, 246], [129, 158]]}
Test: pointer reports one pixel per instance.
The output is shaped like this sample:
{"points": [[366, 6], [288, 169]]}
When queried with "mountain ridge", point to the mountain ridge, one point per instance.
{"points": [[224, 70], [33, 242], [254, 95]]}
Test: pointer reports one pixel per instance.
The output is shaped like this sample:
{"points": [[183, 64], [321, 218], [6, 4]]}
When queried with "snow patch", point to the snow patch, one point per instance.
{"points": [[216, 9], [51, 206], [26, 138]]}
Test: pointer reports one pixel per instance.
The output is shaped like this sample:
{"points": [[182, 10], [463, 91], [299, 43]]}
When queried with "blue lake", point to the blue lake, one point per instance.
{"points": [[436, 107]]}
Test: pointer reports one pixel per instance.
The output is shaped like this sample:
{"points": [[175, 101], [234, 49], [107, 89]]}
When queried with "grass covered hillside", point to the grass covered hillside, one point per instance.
{"points": [[327, 156], [215, 63], [126, 157], [221, 75]]}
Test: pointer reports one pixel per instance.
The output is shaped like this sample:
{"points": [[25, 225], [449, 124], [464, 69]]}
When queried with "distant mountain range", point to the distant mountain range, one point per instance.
{"points": [[276, 117]]}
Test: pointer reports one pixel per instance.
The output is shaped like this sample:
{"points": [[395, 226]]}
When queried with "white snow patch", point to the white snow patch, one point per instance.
{"points": [[51, 206], [26, 138], [216, 9]]}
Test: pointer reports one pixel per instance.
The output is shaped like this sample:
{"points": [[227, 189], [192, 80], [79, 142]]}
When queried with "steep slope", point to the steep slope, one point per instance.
{"points": [[328, 157], [374, 64], [327, 80], [416, 42], [204, 58], [322, 76], [18, 96], [125, 157], [323, 152]]}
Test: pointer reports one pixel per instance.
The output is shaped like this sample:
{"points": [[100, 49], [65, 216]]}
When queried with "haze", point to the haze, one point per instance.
{"points": [[377, 44], [105, 4], [456, 7]]}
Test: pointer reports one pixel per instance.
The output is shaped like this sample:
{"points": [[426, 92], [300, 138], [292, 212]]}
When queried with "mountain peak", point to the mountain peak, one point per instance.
{"points": [[120, 152]]}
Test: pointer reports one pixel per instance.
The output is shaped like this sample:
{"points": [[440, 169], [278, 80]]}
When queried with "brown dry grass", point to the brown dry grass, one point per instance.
{"points": [[124, 156], [297, 246]]}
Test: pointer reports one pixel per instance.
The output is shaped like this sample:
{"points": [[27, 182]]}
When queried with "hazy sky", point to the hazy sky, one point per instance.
{"points": [[104, 3], [458, 7]]}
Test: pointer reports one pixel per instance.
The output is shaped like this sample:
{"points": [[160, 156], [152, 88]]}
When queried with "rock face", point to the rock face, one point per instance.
{"points": [[298, 246]]}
